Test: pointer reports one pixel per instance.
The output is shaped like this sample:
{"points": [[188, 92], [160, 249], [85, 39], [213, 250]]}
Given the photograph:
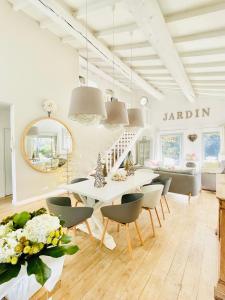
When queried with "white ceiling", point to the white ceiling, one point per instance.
{"points": [[195, 29]]}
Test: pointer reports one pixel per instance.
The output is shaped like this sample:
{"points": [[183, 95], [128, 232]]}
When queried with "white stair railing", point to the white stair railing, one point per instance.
{"points": [[119, 150]]}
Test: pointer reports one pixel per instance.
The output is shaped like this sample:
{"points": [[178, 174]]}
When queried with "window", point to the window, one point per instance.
{"points": [[171, 149], [211, 145]]}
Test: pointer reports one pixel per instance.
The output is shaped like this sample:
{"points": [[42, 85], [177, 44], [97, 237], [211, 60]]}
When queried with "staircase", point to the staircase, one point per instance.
{"points": [[118, 152]]}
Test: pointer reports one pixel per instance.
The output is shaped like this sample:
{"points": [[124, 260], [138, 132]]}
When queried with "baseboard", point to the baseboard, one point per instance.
{"points": [[40, 197]]}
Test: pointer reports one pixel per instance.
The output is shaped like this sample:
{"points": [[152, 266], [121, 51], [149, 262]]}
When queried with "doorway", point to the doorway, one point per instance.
{"points": [[6, 153]]}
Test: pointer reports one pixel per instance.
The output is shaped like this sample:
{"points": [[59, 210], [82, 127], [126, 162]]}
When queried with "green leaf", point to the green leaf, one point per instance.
{"points": [[37, 267], [8, 271], [60, 251], [21, 219], [65, 239]]}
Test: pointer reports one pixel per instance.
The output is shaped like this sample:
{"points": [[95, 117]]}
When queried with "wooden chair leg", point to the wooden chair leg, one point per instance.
{"points": [[139, 233], [158, 217], [151, 219], [104, 231], [167, 203], [89, 229], [75, 230], [189, 198], [129, 241], [118, 227], [162, 209]]}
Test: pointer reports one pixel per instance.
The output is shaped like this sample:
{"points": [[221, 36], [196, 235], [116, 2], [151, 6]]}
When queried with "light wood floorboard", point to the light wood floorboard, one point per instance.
{"points": [[180, 263]]}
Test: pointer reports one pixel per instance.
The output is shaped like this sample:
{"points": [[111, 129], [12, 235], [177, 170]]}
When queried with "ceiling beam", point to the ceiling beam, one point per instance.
{"points": [[149, 18], [196, 12], [141, 58], [211, 93], [19, 4], [209, 82], [158, 75], [94, 7], [210, 87], [212, 64], [199, 36], [58, 14], [45, 23], [203, 52], [149, 68], [129, 46], [99, 72], [207, 74], [118, 29]]}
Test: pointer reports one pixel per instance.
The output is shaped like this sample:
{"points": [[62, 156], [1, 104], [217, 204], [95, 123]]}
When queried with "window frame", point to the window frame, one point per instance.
{"points": [[181, 135], [215, 130]]}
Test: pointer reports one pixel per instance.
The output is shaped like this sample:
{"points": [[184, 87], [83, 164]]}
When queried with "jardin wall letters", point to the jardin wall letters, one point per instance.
{"points": [[188, 114]]}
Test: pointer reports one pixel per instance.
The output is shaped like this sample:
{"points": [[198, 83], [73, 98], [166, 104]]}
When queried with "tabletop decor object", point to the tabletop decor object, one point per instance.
{"points": [[119, 177], [24, 238], [129, 165], [99, 177]]}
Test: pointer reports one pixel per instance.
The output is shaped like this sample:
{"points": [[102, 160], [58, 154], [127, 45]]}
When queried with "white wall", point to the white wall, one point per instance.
{"points": [[174, 103], [35, 65], [4, 123]]}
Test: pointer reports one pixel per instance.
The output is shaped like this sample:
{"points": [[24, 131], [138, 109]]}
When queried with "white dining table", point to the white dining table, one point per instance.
{"points": [[112, 191]]}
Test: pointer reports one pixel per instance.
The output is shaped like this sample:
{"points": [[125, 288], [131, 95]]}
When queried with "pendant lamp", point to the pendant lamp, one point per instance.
{"points": [[117, 115], [136, 117], [87, 103], [116, 111]]}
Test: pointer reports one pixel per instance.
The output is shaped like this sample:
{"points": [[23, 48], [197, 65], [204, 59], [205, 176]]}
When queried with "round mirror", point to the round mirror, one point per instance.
{"points": [[47, 144]]}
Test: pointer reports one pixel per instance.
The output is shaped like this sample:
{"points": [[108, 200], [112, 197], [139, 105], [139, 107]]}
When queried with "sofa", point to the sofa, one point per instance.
{"points": [[185, 182], [209, 171]]}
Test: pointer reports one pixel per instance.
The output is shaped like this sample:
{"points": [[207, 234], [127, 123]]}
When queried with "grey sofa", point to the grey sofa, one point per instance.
{"points": [[183, 182]]}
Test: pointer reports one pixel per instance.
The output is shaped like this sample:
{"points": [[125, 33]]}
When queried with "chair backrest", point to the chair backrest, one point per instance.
{"points": [[152, 194], [126, 212], [61, 207], [76, 180]]}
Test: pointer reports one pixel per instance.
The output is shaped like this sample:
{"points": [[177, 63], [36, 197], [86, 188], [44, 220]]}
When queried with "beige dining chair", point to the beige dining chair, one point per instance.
{"points": [[151, 199]]}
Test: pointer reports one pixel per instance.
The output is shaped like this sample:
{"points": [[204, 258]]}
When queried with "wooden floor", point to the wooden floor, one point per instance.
{"points": [[179, 263]]}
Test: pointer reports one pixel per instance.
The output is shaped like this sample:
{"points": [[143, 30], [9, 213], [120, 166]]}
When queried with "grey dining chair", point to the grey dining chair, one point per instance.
{"points": [[152, 196], [124, 214], [72, 216]]}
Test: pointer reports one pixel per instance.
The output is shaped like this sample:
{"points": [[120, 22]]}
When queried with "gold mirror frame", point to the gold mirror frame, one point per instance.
{"points": [[24, 134]]}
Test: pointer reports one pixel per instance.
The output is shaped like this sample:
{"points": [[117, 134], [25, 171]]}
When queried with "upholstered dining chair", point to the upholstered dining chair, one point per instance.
{"points": [[72, 216], [124, 214], [76, 196], [152, 196], [165, 181]]}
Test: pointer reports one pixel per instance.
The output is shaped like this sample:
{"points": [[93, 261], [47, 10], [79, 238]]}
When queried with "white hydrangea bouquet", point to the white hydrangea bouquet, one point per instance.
{"points": [[24, 237]]}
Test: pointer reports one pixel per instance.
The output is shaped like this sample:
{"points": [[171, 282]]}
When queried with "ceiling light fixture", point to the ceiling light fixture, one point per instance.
{"points": [[87, 103], [135, 115], [117, 115]]}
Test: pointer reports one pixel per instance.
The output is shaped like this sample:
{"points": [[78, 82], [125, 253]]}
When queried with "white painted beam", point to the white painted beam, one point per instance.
{"points": [[149, 18], [94, 6], [118, 29], [45, 24], [149, 68], [141, 58], [221, 94], [68, 39], [129, 46], [199, 36], [208, 82], [207, 74], [58, 14], [203, 52], [102, 74], [196, 12], [213, 64], [19, 4]]}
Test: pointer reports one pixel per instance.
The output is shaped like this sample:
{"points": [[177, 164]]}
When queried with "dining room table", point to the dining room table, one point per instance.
{"points": [[112, 191]]}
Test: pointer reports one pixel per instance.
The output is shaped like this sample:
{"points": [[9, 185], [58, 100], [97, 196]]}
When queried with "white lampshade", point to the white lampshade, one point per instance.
{"points": [[136, 117], [116, 114], [87, 105], [33, 131]]}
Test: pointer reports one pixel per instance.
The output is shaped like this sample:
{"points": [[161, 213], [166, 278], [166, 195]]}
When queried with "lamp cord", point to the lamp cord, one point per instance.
{"points": [[86, 43], [113, 50]]}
